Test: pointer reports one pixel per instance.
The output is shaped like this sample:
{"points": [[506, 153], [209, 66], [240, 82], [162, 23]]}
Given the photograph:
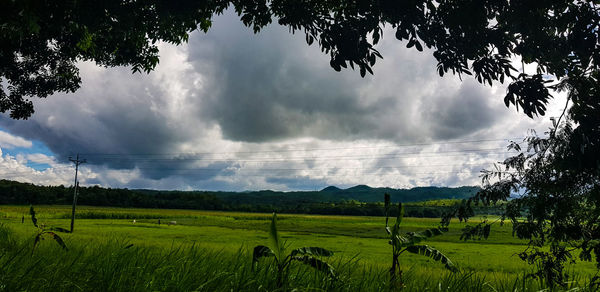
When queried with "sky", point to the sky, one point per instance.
{"points": [[233, 110]]}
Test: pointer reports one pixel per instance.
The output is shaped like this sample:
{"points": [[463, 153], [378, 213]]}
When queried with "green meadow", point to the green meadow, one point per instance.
{"points": [[211, 251]]}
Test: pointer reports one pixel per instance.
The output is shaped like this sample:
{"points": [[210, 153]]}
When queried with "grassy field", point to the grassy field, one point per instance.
{"points": [[209, 251]]}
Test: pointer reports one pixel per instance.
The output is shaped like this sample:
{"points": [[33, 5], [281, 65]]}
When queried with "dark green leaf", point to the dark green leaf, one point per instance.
{"points": [[418, 46], [399, 34], [334, 64], [400, 241], [433, 253], [386, 200], [58, 240], [313, 251], [317, 264], [37, 239], [413, 238], [309, 39], [276, 243], [60, 229], [400, 213], [261, 251]]}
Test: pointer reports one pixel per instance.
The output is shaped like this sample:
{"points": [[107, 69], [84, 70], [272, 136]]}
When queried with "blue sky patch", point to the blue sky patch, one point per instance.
{"points": [[37, 147]]}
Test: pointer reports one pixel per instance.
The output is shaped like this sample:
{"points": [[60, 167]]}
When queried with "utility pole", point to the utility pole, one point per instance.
{"points": [[76, 187]]}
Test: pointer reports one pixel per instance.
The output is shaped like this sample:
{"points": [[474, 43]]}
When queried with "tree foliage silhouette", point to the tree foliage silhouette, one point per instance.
{"points": [[43, 40], [553, 190]]}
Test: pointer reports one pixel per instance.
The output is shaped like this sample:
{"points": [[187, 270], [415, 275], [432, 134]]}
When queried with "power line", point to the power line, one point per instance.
{"points": [[267, 159], [306, 160], [296, 150], [328, 176], [261, 172], [326, 158], [313, 168], [143, 162]]}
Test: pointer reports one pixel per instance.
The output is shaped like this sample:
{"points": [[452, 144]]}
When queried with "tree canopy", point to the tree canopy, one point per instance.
{"points": [[552, 185], [43, 40]]}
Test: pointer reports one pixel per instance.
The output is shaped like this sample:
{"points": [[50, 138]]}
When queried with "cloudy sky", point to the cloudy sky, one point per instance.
{"points": [[232, 110]]}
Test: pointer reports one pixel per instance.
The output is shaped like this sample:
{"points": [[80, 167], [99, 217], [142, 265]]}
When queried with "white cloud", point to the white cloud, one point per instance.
{"points": [[40, 158], [10, 141], [15, 168]]}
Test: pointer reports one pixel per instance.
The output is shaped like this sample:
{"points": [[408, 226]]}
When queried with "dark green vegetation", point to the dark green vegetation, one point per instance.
{"points": [[212, 251], [558, 211], [359, 200], [43, 230], [277, 248], [408, 242]]}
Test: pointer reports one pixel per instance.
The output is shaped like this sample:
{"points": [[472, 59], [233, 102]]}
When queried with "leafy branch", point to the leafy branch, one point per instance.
{"points": [[409, 242], [306, 255], [44, 232]]}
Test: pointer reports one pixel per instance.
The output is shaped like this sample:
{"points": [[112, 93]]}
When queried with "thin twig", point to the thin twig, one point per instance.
{"points": [[561, 115]]}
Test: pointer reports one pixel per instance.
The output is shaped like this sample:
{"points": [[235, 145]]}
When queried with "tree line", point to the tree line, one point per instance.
{"points": [[12, 192]]}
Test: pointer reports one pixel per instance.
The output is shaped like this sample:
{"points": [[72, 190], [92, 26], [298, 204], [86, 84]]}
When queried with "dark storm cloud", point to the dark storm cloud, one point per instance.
{"points": [[267, 89], [259, 88], [459, 113], [272, 86], [264, 87], [110, 114]]}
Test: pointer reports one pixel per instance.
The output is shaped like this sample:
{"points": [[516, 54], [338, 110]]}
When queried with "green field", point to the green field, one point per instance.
{"points": [[208, 250]]}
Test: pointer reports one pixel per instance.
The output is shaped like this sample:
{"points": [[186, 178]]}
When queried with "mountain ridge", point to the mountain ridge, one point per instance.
{"points": [[19, 193]]}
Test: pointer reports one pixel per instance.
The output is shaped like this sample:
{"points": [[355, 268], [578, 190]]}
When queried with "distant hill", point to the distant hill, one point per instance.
{"points": [[330, 189], [362, 193], [12, 192], [359, 188]]}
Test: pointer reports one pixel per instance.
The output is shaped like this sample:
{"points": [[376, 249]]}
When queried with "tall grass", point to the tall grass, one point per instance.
{"points": [[110, 215], [115, 265], [163, 258], [7, 238]]}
